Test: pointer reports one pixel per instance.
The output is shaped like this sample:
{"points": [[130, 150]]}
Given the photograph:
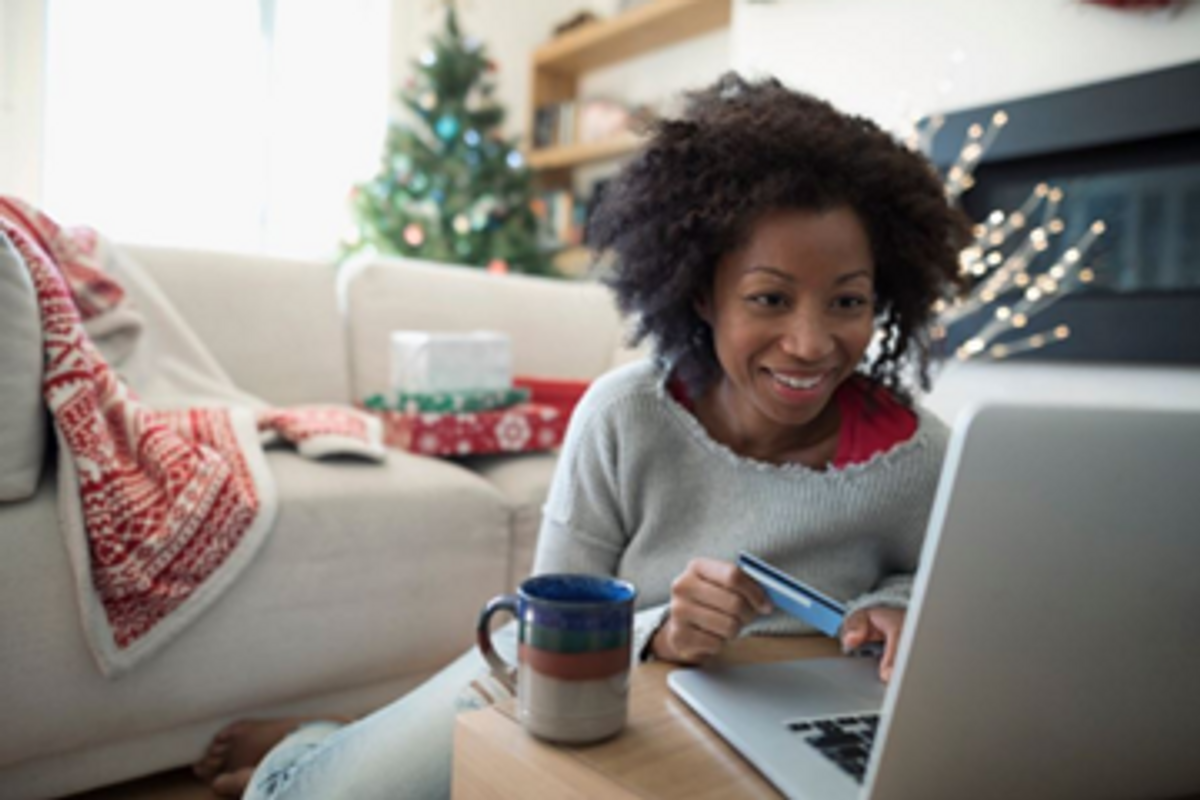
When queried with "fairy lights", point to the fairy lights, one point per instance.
{"points": [[960, 177], [1006, 265], [1033, 292]]}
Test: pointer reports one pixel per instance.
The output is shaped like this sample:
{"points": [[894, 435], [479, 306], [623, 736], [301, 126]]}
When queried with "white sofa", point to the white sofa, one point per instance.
{"points": [[373, 575]]}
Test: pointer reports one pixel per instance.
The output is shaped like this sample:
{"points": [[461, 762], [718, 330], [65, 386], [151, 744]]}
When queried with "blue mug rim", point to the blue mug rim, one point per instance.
{"points": [[525, 590]]}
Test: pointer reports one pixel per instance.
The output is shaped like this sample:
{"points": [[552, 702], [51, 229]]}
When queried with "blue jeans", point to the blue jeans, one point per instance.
{"points": [[403, 750]]}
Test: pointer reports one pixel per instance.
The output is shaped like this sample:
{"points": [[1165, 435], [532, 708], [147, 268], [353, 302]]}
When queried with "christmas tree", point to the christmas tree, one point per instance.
{"points": [[450, 187]]}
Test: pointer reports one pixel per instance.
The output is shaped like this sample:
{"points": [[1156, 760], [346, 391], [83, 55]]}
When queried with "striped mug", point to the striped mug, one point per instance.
{"points": [[574, 654]]}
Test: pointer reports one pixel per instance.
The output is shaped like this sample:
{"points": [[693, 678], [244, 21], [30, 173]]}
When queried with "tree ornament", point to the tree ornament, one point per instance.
{"points": [[471, 137], [462, 225], [498, 266], [428, 58], [414, 234], [515, 159], [428, 101], [447, 127]]}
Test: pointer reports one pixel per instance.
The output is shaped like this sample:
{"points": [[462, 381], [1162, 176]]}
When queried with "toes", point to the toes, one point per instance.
{"points": [[214, 757], [210, 764], [233, 784], [226, 734]]}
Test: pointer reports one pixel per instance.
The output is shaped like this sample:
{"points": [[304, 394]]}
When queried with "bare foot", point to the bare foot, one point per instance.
{"points": [[238, 747]]}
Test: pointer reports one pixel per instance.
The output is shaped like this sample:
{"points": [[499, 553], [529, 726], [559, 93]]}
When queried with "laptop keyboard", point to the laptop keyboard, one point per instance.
{"points": [[844, 740]]}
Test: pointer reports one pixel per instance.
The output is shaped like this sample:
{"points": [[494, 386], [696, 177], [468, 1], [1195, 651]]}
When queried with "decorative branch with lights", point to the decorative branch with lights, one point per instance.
{"points": [[1006, 266]]}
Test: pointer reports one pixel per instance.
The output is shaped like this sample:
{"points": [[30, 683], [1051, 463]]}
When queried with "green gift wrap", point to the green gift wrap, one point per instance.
{"points": [[459, 402]]}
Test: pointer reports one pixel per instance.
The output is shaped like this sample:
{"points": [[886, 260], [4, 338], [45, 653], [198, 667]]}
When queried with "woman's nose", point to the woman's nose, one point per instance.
{"points": [[808, 338]]}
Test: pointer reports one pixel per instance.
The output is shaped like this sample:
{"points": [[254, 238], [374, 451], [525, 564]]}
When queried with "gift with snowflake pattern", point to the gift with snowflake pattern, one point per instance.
{"points": [[528, 427]]}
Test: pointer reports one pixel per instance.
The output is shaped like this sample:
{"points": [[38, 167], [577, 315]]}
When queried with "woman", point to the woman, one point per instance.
{"points": [[782, 258]]}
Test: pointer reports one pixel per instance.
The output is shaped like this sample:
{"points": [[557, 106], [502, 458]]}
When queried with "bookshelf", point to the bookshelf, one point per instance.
{"points": [[559, 64]]}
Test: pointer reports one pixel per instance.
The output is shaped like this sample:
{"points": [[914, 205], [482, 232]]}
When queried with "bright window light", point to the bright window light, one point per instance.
{"points": [[224, 124]]}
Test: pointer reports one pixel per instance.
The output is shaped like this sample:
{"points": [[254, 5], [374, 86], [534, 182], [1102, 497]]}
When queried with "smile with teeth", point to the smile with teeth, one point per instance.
{"points": [[794, 382]]}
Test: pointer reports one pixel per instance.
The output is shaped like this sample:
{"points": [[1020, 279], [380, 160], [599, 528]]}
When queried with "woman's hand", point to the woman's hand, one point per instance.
{"points": [[710, 603], [875, 625]]}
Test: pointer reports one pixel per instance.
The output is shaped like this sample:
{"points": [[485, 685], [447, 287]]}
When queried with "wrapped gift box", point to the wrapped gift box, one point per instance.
{"points": [[423, 361], [449, 402], [561, 393], [524, 428]]}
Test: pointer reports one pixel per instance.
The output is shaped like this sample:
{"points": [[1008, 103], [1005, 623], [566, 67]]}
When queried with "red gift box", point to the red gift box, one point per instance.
{"points": [[561, 393], [528, 427]]}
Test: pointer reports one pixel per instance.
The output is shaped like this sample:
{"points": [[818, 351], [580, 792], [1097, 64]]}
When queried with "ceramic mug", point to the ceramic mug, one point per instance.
{"points": [[574, 654]]}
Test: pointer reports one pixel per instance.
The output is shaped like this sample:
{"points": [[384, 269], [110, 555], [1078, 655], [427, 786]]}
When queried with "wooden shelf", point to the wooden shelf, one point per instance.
{"points": [[574, 155], [559, 65], [557, 74], [649, 27]]}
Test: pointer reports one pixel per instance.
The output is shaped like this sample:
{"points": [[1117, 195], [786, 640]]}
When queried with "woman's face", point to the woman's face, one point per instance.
{"points": [[792, 312]]}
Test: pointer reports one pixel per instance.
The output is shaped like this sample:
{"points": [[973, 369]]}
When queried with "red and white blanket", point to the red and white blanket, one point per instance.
{"points": [[163, 486]]}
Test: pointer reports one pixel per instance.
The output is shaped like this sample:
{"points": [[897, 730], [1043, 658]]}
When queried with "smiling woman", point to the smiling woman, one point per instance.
{"points": [[792, 313], [218, 123]]}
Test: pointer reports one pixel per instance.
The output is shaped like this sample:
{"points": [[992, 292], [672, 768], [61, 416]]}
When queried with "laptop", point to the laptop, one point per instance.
{"points": [[1052, 648]]}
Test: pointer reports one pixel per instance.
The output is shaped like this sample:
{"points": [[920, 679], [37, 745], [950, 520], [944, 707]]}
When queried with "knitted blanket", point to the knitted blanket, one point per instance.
{"points": [[163, 486]]}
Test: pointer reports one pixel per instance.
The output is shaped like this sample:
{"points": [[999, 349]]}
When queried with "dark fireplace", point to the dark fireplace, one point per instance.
{"points": [[1125, 151]]}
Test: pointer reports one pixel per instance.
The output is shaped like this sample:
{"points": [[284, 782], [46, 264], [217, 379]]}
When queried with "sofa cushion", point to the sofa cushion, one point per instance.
{"points": [[371, 573], [22, 413], [272, 324], [524, 480]]}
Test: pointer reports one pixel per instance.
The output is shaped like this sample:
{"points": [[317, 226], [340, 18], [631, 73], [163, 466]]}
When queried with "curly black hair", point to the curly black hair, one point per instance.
{"points": [[740, 150]]}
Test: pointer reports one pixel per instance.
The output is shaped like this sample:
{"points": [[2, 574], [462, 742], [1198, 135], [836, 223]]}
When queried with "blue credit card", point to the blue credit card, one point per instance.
{"points": [[795, 597]]}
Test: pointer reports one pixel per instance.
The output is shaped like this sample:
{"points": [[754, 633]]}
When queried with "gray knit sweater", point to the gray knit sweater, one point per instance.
{"points": [[641, 488]]}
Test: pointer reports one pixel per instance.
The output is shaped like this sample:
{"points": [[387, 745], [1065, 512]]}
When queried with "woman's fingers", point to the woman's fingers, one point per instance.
{"points": [[732, 579], [855, 631], [723, 587], [710, 603], [691, 644], [875, 625], [891, 625]]}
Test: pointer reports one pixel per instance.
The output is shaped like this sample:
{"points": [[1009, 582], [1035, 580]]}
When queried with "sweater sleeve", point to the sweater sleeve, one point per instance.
{"points": [[583, 528], [893, 591]]}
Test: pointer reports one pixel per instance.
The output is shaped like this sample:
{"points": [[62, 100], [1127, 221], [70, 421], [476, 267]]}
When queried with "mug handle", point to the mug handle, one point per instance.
{"points": [[504, 672]]}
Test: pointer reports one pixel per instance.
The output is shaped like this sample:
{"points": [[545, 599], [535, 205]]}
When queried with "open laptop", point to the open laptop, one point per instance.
{"points": [[1052, 648]]}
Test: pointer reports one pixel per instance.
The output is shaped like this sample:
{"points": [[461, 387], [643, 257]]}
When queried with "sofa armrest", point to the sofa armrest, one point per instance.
{"points": [[559, 329], [272, 323]]}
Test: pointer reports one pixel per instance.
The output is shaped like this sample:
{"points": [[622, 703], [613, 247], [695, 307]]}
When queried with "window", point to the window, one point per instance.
{"points": [[226, 124]]}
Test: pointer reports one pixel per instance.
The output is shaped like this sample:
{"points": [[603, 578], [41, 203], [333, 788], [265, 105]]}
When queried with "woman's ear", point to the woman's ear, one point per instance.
{"points": [[703, 308]]}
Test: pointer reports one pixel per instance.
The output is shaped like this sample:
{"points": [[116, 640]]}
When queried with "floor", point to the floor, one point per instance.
{"points": [[177, 785]]}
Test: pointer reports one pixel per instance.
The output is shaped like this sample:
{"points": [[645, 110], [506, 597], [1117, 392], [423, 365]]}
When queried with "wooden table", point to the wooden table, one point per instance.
{"points": [[665, 750]]}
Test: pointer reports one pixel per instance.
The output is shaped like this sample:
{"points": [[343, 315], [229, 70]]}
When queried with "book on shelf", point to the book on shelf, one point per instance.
{"points": [[587, 121], [561, 218], [554, 125]]}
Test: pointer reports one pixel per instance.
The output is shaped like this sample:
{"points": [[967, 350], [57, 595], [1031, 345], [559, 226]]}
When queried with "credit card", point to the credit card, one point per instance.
{"points": [[793, 596]]}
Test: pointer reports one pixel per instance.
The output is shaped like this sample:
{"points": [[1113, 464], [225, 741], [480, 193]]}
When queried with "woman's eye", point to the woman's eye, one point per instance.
{"points": [[768, 300], [851, 302]]}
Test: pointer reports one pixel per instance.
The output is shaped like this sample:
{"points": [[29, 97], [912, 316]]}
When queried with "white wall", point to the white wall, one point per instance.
{"points": [[889, 59], [22, 26]]}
